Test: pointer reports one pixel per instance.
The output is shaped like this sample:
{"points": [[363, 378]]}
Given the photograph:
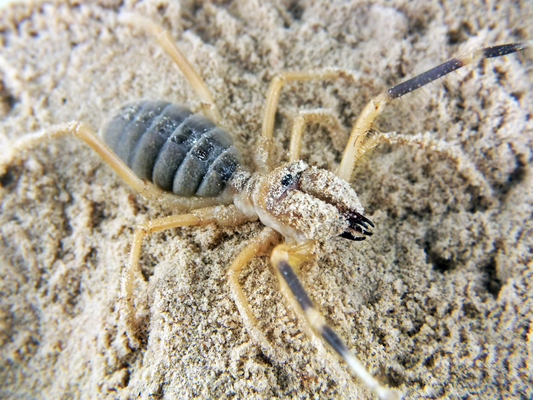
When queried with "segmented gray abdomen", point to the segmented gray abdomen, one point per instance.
{"points": [[177, 150]]}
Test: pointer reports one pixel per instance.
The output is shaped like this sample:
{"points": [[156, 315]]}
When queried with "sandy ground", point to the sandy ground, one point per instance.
{"points": [[438, 303]]}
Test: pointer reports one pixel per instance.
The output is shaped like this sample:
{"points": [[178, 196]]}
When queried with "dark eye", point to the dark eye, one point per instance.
{"points": [[286, 180]]}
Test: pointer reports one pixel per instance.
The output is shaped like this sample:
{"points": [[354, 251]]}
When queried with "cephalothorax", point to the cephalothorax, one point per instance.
{"points": [[304, 203], [183, 160]]}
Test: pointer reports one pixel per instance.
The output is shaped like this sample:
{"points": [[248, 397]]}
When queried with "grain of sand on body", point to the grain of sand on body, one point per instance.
{"points": [[436, 304]]}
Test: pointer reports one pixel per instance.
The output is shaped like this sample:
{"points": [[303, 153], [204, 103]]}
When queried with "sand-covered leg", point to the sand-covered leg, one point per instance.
{"points": [[256, 246], [262, 156], [284, 258], [299, 254], [165, 41], [83, 132], [425, 142], [305, 117], [222, 215], [357, 146]]}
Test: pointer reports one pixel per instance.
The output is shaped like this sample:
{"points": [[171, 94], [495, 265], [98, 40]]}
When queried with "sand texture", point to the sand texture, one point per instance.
{"points": [[438, 303]]}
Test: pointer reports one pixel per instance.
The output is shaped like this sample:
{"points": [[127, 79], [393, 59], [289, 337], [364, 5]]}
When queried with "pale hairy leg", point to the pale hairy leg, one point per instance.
{"points": [[256, 246], [262, 156], [355, 148], [222, 215], [165, 41], [305, 117], [424, 141], [285, 259], [144, 188]]}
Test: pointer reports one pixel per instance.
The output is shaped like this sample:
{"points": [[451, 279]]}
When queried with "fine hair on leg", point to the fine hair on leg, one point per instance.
{"points": [[262, 154], [320, 116], [222, 215], [256, 246], [355, 148], [165, 41], [285, 259], [144, 188]]}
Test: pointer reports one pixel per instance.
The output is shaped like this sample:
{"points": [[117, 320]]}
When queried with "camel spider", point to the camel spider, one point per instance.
{"points": [[301, 204]]}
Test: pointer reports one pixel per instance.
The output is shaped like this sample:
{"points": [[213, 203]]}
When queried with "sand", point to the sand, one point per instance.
{"points": [[438, 303]]}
